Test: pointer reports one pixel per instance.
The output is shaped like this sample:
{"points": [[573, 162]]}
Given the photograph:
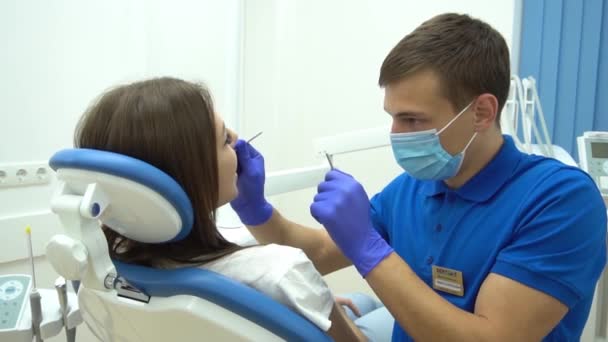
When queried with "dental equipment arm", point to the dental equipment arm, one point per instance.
{"points": [[35, 298], [36, 313], [62, 295]]}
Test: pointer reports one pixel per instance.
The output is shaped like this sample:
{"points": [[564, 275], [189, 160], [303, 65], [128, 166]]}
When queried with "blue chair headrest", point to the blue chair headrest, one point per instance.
{"points": [[134, 170]]}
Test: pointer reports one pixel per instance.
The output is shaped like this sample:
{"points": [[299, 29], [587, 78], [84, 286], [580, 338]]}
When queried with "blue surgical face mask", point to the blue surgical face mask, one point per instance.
{"points": [[421, 155]]}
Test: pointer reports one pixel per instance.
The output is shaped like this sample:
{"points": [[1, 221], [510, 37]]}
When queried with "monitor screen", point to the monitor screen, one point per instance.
{"points": [[599, 150]]}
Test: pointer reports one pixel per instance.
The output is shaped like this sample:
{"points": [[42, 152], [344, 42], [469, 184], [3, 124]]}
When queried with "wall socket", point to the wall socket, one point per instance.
{"points": [[24, 174]]}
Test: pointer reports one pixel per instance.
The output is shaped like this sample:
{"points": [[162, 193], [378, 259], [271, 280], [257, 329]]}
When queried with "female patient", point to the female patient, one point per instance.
{"points": [[172, 125]]}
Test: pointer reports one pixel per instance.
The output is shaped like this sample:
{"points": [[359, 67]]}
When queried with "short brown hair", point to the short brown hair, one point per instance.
{"points": [[468, 55], [170, 124]]}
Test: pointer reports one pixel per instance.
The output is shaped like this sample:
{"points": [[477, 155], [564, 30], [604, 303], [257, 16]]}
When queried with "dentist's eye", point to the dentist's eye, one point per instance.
{"points": [[411, 121], [228, 139]]}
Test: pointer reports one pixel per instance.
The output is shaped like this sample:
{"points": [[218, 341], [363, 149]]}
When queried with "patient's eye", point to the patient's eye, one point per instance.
{"points": [[228, 139]]}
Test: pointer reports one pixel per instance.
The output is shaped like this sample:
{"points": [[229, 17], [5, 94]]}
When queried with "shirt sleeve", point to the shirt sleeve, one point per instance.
{"points": [[559, 247], [378, 216], [303, 289]]}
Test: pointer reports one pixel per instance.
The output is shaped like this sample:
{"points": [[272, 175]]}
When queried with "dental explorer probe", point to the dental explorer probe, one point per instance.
{"points": [[255, 136], [331, 165]]}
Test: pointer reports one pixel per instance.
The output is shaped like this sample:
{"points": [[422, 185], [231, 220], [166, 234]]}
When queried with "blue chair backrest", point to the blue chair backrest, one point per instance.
{"points": [[225, 292]]}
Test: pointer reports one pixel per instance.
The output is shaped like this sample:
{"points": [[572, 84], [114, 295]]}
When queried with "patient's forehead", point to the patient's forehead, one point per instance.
{"points": [[219, 126]]}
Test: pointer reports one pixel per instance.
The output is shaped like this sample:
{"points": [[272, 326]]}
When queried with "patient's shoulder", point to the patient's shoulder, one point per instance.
{"points": [[281, 251], [269, 261], [272, 253]]}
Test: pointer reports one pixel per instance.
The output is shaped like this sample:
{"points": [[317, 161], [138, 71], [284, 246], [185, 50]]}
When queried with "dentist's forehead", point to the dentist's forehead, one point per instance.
{"points": [[415, 96]]}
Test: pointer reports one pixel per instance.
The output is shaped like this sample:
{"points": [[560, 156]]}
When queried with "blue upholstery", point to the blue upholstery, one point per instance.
{"points": [[227, 293], [133, 169], [236, 297]]}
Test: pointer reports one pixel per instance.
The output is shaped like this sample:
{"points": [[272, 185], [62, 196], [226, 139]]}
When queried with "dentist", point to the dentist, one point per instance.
{"points": [[475, 241]]}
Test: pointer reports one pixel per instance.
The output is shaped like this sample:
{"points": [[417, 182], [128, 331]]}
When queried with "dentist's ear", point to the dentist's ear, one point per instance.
{"points": [[486, 109]]}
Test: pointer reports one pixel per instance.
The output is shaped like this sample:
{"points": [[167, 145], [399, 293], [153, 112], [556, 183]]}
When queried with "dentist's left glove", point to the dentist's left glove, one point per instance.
{"points": [[342, 206], [250, 204]]}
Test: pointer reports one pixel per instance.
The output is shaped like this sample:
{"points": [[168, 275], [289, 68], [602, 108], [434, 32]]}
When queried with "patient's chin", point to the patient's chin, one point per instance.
{"points": [[235, 192], [227, 197]]}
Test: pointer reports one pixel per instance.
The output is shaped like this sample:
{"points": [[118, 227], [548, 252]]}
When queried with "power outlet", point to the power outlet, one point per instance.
{"points": [[24, 174]]}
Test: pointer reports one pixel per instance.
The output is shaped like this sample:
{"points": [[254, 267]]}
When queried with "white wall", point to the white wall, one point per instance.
{"points": [[60, 55], [57, 56], [311, 70]]}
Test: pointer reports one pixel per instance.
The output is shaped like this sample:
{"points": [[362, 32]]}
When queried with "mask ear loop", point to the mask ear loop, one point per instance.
{"points": [[474, 134], [456, 117], [469, 143]]}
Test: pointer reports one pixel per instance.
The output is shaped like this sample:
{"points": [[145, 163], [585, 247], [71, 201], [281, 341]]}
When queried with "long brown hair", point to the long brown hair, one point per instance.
{"points": [[168, 123]]}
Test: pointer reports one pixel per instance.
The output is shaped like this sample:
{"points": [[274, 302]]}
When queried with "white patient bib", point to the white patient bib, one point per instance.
{"points": [[283, 273]]}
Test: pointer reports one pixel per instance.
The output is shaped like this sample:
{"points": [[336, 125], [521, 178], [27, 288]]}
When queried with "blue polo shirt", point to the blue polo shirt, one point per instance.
{"points": [[529, 218]]}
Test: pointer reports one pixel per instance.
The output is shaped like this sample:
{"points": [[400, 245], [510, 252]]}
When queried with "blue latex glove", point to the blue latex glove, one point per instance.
{"points": [[250, 204], [342, 206]]}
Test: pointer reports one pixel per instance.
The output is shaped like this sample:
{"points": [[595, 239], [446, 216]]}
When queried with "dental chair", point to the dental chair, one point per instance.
{"points": [[122, 302]]}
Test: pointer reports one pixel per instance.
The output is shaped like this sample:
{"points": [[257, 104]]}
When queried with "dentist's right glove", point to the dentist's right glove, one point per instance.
{"points": [[342, 206], [250, 204]]}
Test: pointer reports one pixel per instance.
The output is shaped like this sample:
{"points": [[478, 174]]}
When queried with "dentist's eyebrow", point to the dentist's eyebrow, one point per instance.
{"points": [[407, 114]]}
